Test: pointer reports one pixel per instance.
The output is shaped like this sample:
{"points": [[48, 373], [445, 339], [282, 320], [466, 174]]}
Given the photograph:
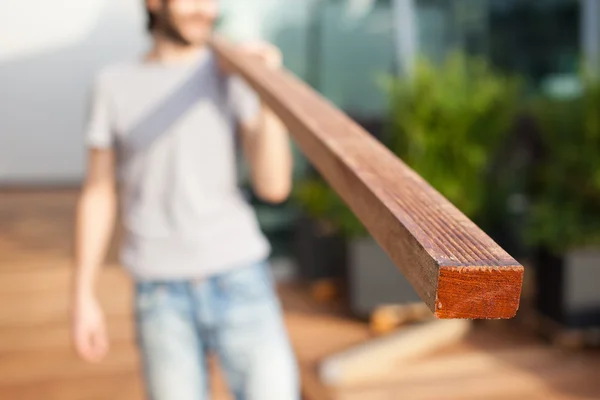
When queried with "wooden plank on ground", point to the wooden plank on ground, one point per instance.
{"points": [[43, 365], [57, 335], [468, 362], [373, 358], [118, 385], [502, 385], [457, 270]]}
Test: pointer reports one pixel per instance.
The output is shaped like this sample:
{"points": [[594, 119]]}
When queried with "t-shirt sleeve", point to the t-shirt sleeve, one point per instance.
{"points": [[244, 101], [99, 125]]}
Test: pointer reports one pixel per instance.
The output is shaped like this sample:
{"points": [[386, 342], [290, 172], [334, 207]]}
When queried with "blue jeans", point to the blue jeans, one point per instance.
{"points": [[235, 315]]}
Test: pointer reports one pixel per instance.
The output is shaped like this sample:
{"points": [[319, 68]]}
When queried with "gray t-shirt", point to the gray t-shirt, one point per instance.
{"points": [[173, 128]]}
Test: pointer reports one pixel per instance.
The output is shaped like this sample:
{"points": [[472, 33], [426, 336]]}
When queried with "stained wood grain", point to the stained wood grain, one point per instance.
{"points": [[457, 270]]}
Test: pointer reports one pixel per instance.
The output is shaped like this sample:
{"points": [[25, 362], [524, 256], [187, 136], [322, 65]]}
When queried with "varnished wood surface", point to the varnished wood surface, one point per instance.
{"points": [[37, 363], [454, 266]]}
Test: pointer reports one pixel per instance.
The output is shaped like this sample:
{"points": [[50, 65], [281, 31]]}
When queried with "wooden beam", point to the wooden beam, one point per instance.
{"points": [[456, 269]]}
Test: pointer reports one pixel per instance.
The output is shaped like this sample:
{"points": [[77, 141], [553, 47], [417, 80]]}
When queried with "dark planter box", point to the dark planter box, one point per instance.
{"points": [[374, 280], [320, 253], [568, 287]]}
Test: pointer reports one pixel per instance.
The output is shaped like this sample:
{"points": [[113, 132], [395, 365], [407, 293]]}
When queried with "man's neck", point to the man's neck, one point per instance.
{"points": [[167, 51]]}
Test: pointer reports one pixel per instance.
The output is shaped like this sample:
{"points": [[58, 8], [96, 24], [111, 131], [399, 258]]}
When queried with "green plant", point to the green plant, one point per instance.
{"points": [[448, 122], [566, 199], [320, 202]]}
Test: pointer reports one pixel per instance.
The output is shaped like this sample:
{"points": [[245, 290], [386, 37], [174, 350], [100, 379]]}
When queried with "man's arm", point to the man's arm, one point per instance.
{"points": [[265, 140], [267, 149], [96, 211]]}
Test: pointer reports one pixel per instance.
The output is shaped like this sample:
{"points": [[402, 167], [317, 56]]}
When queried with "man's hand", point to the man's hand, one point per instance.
{"points": [[89, 328], [96, 211], [264, 51]]}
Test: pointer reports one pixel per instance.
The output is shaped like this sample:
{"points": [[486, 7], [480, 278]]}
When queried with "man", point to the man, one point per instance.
{"points": [[166, 125]]}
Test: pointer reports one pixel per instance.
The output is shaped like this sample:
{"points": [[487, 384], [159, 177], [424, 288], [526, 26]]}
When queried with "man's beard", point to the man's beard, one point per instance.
{"points": [[170, 32]]}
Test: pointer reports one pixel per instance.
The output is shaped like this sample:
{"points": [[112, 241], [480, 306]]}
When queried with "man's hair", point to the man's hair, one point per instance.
{"points": [[150, 21]]}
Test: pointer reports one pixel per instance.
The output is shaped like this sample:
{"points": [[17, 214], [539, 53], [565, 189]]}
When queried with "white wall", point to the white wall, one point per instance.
{"points": [[49, 51]]}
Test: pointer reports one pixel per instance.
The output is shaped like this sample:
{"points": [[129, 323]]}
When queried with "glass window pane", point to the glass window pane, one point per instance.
{"points": [[539, 39], [354, 51]]}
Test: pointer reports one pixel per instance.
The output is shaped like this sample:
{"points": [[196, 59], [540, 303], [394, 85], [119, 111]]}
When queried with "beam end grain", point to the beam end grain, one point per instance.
{"points": [[479, 292]]}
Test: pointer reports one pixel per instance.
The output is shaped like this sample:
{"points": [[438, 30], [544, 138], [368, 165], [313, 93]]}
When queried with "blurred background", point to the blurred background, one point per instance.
{"points": [[496, 103]]}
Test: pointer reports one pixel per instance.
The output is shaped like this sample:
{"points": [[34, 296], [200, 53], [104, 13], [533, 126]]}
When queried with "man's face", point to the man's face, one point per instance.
{"points": [[188, 21]]}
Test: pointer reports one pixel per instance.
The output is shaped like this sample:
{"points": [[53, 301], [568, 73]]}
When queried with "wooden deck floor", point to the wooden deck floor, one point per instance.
{"points": [[36, 361]]}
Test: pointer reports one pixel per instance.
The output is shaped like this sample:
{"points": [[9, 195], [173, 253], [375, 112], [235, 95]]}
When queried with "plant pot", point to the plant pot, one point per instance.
{"points": [[320, 251], [567, 287], [374, 280]]}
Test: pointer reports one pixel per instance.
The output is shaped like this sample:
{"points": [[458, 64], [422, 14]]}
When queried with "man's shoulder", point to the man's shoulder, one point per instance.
{"points": [[111, 74]]}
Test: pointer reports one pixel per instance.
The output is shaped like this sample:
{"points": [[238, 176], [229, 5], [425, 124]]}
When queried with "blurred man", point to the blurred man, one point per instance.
{"points": [[166, 125]]}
